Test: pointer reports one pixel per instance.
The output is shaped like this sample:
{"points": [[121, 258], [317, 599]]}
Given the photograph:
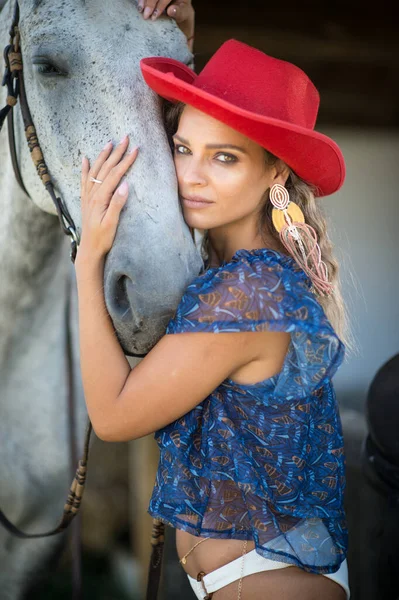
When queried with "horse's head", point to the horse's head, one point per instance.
{"points": [[84, 87]]}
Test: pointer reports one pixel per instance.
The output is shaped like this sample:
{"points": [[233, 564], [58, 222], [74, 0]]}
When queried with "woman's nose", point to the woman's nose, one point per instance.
{"points": [[193, 173]]}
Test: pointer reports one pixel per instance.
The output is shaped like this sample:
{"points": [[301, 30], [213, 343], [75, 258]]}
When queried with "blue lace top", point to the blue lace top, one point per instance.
{"points": [[261, 461]]}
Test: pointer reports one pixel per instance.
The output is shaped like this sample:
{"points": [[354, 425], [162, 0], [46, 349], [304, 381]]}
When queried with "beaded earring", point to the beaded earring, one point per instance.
{"points": [[299, 238]]}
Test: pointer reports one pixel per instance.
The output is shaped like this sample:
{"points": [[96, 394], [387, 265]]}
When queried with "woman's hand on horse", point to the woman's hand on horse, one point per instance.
{"points": [[101, 203], [182, 11]]}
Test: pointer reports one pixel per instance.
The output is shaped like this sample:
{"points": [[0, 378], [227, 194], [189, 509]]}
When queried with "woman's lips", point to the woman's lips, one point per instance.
{"points": [[196, 202]]}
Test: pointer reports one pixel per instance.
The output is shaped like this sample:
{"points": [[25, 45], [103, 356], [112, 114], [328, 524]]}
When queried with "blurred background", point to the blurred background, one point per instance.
{"points": [[350, 51]]}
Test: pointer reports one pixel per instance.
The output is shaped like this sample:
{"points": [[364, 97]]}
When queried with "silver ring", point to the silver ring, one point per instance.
{"points": [[95, 180]]}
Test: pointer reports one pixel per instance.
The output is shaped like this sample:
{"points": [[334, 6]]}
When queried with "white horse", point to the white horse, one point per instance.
{"points": [[84, 87]]}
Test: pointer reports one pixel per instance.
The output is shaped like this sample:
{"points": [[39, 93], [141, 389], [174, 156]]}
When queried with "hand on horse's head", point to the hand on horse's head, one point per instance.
{"points": [[103, 197], [182, 11]]}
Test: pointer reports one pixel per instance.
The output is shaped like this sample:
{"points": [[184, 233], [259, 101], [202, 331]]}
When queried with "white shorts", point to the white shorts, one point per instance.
{"points": [[253, 563]]}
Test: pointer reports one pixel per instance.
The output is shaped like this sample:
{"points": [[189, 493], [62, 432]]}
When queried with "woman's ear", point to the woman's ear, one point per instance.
{"points": [[281, 172]]}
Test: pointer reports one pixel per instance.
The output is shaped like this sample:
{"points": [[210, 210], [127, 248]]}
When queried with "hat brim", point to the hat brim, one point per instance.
{"points": [[313, 156]]}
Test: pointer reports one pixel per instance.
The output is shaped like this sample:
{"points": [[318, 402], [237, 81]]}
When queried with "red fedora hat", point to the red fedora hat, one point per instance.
{"points": [[269, 100]]}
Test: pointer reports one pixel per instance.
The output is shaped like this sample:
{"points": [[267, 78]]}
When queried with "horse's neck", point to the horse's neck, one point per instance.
{"points": [[32, 261]]}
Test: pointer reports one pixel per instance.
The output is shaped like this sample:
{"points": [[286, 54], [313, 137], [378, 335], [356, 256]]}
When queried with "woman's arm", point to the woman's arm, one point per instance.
{"points": [[104, 366], [180, 371]]}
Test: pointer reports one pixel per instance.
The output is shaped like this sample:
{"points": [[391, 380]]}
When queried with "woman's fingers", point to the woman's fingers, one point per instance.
{"points": [[118, 201], [183, 13], [159, 9], [112, 178], [101, 207], [113, 159], [149, 7], [180, 11], [109, 168], [98, 163]]}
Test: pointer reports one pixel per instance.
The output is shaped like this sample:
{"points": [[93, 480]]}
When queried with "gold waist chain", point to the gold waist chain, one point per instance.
{"points": [[201, 574]]}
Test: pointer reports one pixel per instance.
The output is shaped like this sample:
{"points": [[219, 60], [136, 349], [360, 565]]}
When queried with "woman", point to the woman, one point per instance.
{"points": [[251, 470]]}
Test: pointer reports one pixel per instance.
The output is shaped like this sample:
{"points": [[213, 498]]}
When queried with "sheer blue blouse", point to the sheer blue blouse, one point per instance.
{"points": [[261, 461]]}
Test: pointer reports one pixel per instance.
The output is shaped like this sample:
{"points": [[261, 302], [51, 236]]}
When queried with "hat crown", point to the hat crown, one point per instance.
{"points": [[254, 81]]}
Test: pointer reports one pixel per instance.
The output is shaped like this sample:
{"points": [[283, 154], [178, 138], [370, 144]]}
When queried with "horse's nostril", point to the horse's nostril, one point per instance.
{"points": [[121, 294], [123, 304]]}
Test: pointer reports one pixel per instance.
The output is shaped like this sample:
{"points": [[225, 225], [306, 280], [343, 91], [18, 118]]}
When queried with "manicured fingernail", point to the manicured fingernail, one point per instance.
{"points": [[83, 160], [123, 139], [133, 150], [108, 145], [140, 7], [123, 189], [154, 15], [147, 12]]}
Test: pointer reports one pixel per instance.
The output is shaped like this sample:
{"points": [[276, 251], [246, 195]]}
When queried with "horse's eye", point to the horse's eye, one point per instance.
{"points": [[47, 69], [44, 67]]}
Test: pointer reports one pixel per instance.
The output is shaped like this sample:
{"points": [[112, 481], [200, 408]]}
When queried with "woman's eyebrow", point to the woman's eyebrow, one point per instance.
{"points": [[213, 146]]}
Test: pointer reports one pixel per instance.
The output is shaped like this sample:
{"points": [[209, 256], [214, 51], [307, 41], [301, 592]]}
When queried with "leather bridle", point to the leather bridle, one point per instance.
{"points": [[13, 79]]}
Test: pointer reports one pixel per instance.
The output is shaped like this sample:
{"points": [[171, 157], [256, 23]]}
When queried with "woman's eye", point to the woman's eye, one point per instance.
{"points": [[179, 149], [226, 158]]}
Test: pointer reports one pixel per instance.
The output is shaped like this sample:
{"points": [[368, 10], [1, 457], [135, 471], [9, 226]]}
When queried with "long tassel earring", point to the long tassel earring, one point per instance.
{"points": [[299, 238]]}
